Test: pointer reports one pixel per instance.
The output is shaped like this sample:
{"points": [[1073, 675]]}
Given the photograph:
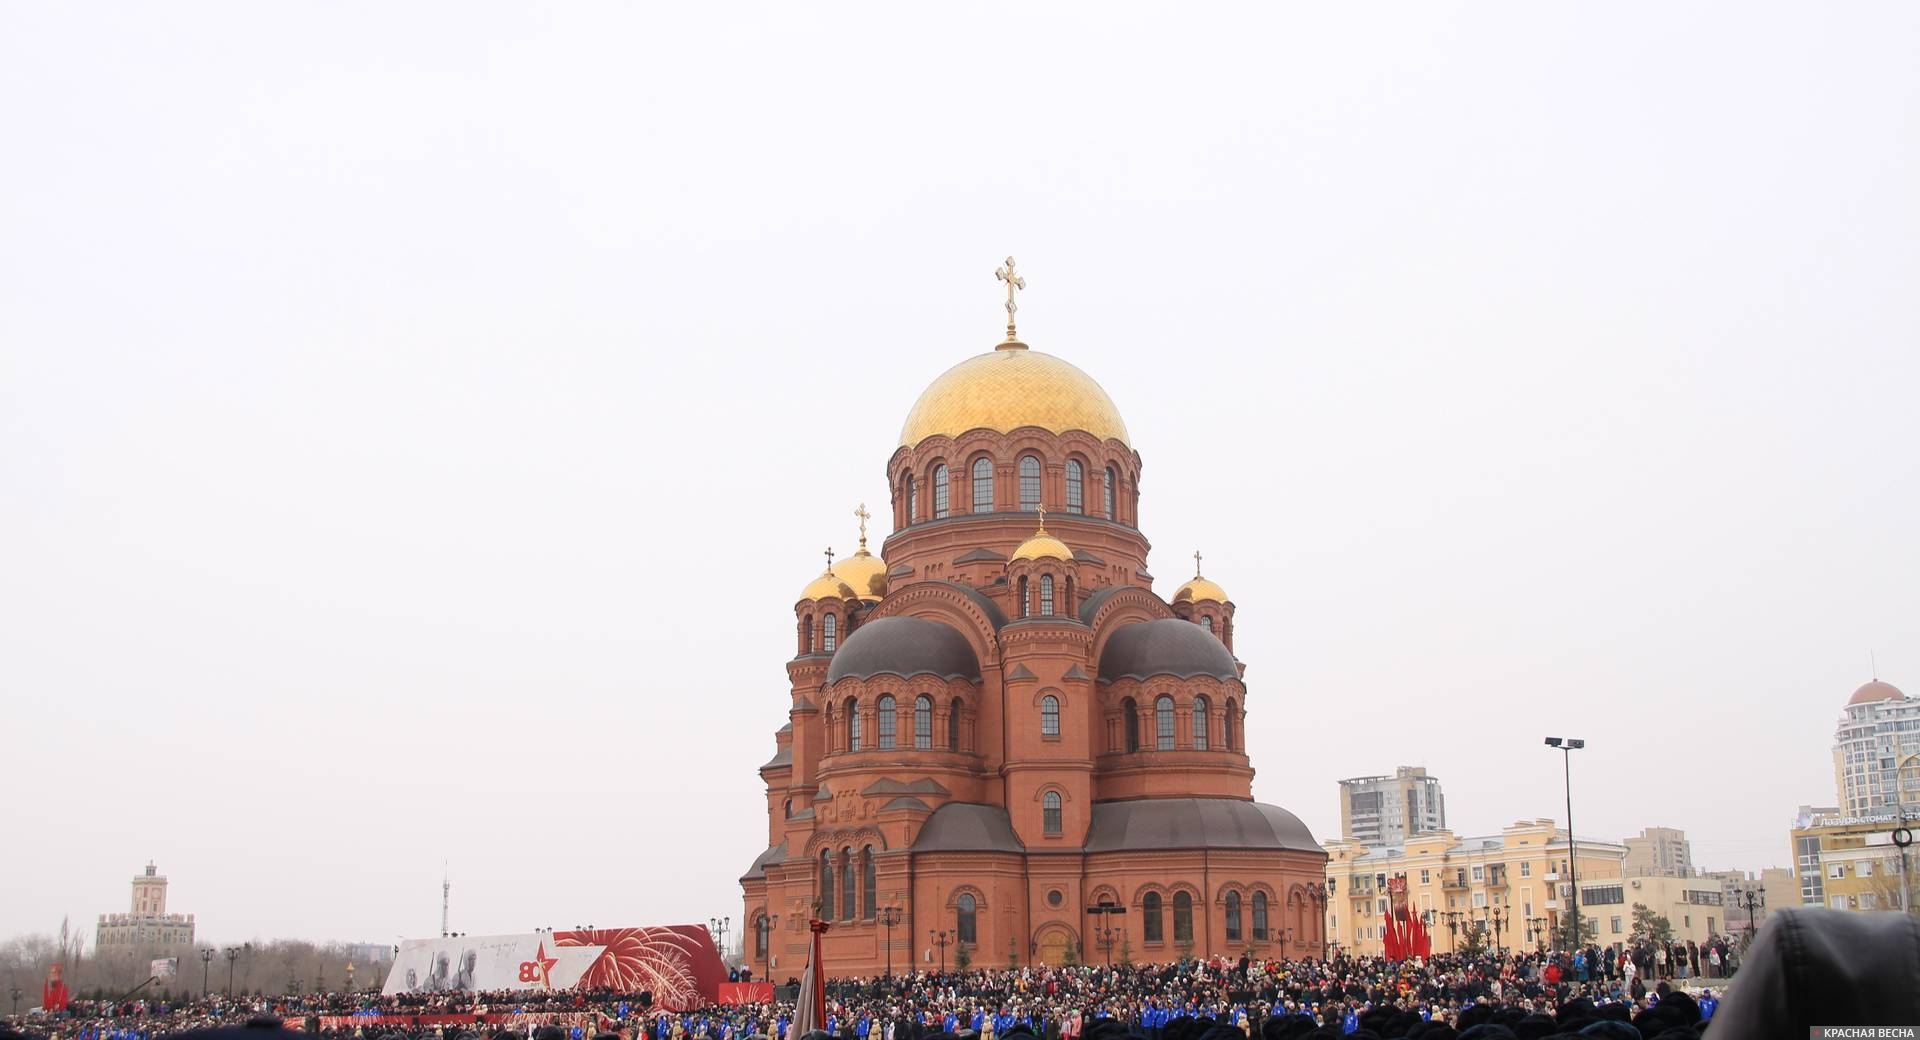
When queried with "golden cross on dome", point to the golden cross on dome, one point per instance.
{"points": [[862, 514], [829, 559], [1042, 510], [1013, 281], [1196, 563]]}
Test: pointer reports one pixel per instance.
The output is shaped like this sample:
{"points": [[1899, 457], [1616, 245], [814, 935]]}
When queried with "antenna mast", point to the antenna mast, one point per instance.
{"points": [[446, 890]]}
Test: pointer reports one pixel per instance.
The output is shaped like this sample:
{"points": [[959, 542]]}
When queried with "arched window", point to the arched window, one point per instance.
{"points": [[1163, 723], [953, 725], [1049, 716], [940, 492], [923, 723], [1260, 916], [1029, 482], [1050, 812], [1150, 917], [1233, 917], [1200, 726], [829, 632], [826, 884], [983, 485], [760, 931], [1022, 588], [1106, 491], [847, 907], [868, 885], [787, 810], [853, 725], [1046, 595], [1182, 917], [1228, 734], [885, 713], [913, 502], [806, 634], [1130, 721], [1076, 501], [1207, 621], [963, 919]]}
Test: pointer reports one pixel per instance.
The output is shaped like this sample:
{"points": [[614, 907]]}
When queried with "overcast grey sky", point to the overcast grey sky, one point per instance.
{"points": [[419, 418]]}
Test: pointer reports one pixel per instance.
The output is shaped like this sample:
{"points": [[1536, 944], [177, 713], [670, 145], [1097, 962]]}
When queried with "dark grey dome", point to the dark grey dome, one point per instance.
{"points": [[1195, 823], [1169, 646], [904, 646]]}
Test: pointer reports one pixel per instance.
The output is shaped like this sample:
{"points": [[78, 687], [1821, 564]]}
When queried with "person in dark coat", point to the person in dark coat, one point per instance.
{"points": [[1811, 966]]}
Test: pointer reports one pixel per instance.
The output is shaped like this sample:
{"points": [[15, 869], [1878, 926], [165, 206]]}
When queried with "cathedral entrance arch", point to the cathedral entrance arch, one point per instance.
{"points": [[1055, 941]]}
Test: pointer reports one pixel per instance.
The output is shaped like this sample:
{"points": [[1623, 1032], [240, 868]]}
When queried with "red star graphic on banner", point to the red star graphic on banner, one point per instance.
{"points": [[546, 964]]}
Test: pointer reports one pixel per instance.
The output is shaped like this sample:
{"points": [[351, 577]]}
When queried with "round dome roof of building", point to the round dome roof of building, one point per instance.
{"points": [[1010, 387], [1042, 545], [1195, 823], [1875, 691], [1169, 646], [906, 647], [865, 572], [828, 586], [1198, 589]]}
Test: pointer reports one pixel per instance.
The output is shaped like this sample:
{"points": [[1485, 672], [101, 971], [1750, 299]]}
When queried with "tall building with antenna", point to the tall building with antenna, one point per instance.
{"points": [[1876, 751]]}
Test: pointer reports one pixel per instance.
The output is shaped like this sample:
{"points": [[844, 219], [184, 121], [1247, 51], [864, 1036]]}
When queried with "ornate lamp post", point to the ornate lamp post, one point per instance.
{"points": [[1567, 747], [1453, 931], [1317, 893], [206, 965], [233, 954], [1537, 932], [942, 938], [16, 1001], [1104, 931], [1498, 916], [889, 916], [1752, 901], [763, 929], [717, 927]]}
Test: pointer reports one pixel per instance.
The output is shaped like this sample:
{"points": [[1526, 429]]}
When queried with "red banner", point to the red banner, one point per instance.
{"points": [[746, 993]]}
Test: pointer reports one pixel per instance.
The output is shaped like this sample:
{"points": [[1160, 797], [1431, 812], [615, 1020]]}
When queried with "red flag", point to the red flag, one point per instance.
{"points": [[809, 1010]]}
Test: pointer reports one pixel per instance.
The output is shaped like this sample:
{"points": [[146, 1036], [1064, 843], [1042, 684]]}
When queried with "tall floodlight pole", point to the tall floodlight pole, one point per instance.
{"points": [[1567, 747]]}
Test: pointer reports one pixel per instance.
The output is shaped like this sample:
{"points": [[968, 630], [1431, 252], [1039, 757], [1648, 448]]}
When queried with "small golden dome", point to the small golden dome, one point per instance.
{"points": [[1043, 545], [1010, 387], [866, 572], [1199, 588], [828, 586]]}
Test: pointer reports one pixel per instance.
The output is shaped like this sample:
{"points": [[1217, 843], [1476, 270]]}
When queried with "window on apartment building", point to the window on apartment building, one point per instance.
{"points": [[1866, 868], [1529, 908], [1526, 868], [1869, 901], [1426, 877], [1686, 920], [1836, 870], [1613, 925], [1479, 873], [1479, 899], [1838, 902]]}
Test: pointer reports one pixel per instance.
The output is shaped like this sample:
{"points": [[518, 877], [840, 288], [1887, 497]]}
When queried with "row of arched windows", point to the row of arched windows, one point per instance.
{"points": [[829, 633], [886, 712], [843, 897], [1024, 592], [1164, 717], [1153, 913], [980, 488]]}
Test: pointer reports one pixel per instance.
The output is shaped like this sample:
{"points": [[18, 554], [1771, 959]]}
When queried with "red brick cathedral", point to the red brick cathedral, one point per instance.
{"points": [[1000, 726]]}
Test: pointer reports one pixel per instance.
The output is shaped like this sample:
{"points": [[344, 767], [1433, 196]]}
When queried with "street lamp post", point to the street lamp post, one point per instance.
{"points": [[233, 954], [206, 965], [1453, 931], [942, 938], [1567, 747], [1498, 916], [763, 930], [890, 916], [16, 1001], [1104, 931], [1317, 893], [1537, 931], [1752, 901], [718, 926]]}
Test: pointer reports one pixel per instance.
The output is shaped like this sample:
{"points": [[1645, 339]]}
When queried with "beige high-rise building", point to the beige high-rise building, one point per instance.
{"points": [[148, 923], [1520, 876], [1876, 752], [1659, 851], [1388, 810]]}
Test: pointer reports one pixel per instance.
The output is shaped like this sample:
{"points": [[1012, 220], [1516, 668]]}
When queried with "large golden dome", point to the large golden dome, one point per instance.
{"points": [[864, 571], [1010, 387]]}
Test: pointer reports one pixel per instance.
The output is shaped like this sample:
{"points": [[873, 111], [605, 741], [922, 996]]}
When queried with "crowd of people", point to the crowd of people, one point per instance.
{"points": [[1651, 993]]}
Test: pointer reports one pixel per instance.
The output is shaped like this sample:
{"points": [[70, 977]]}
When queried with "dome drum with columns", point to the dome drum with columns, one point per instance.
{"points": [[1000, 723]]}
